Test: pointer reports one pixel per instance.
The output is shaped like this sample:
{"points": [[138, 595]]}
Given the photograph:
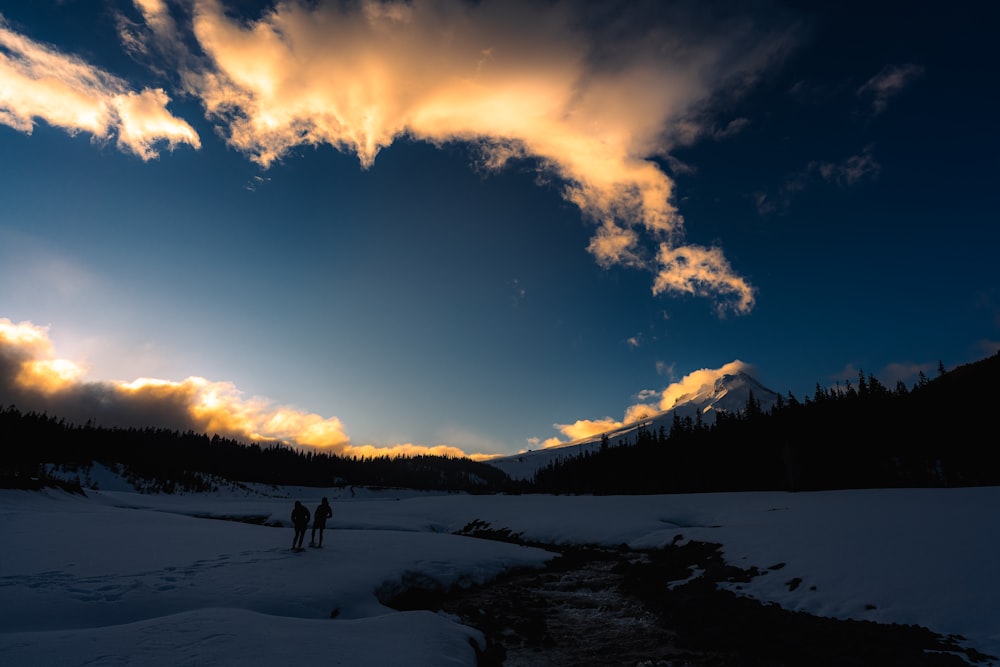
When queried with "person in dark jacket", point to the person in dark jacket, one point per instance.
{"points": [[300, 520], [323, 512]]}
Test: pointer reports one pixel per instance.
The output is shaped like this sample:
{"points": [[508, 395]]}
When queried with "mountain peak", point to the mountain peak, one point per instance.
{"points": [[729, 393]]}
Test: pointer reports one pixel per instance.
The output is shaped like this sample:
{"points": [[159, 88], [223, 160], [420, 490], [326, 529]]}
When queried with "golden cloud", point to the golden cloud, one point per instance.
{"points": [[32, 378], [701, 271], [586, 428], [521, 79], [697, 382], [39, 82]]}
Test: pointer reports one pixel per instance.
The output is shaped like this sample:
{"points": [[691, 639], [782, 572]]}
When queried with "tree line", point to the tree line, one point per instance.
{"points": [[857, 435], [158, 459]]}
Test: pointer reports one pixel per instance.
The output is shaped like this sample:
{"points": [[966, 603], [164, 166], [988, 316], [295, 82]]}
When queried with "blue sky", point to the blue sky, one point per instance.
{"points": [[483, 227]]}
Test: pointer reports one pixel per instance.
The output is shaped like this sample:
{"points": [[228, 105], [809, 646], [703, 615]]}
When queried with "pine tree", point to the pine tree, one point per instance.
{"points": [[875, 387], [820, 393]]}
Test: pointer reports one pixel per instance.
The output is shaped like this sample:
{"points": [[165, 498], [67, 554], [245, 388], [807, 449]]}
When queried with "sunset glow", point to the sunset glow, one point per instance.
{"points": [[202, 405], [391, 227], [357, 78]]}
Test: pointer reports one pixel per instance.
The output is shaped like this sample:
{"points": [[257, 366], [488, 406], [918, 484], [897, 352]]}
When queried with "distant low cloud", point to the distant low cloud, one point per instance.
{"points": [[885, 85], [33, 378], [585, 428], [590, 93], [907, 372], [693, 384], [988, 347], [39, 82], [407, 449]]}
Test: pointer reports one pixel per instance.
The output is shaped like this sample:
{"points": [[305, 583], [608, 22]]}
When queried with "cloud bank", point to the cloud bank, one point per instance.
{"points": [[38, 82], [696, 383], [591, 93], [33, 378]]}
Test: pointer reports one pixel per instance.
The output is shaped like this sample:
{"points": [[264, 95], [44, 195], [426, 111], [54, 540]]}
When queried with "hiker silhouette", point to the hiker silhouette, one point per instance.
{"points": [[300, 520], [323, 512]]}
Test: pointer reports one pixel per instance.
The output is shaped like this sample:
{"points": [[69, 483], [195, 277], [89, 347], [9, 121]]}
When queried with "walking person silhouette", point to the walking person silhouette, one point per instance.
{"points": [[300, 520], [323, 512]]}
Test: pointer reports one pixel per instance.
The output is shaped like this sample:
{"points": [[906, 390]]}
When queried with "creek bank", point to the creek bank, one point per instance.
{"points": [[662, 608]]}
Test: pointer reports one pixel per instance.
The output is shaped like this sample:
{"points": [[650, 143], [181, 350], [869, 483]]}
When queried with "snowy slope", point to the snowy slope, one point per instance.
{"points": [[728, 393], [118, 577]]}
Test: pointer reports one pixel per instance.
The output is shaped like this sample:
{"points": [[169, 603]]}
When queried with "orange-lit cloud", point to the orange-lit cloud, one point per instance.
{"points": [[538, 443], [701, 271], [592, 97], [33, 378], [39, 82], [585, 428], [696, 384]]}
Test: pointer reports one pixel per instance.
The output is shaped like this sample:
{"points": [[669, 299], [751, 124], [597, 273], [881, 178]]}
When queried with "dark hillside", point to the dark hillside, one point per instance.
{"points": [[860, 435]]}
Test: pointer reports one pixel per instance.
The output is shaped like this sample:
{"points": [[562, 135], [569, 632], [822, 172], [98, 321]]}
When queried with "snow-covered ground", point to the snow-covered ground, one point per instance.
{"points": [[123, 578]]}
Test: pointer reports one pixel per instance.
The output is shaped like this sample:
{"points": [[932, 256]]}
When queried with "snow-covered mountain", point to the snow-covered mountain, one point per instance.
{"points": [[729, 393]]}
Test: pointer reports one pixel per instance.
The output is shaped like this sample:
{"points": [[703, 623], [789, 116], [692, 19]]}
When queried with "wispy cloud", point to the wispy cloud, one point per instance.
{"points": [[39, 82], [849, 172], [732, 128], [890, 80], [538, 81]]}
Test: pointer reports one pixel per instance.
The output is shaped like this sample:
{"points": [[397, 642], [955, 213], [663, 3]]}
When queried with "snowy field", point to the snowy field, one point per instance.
{"points": [[123, 578]]}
